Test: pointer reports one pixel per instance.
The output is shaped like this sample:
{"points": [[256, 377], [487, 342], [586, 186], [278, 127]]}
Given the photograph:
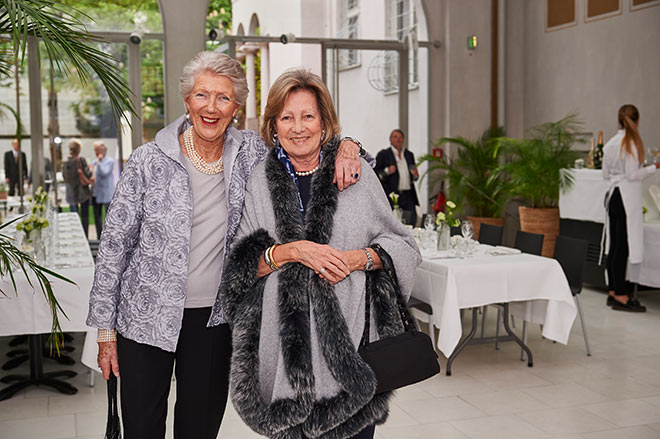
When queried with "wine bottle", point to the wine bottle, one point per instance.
{"points": [[598, 153]]}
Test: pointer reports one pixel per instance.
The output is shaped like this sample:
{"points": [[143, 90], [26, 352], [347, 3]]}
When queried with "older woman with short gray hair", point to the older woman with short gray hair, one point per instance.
{"points": [[174, 214]]}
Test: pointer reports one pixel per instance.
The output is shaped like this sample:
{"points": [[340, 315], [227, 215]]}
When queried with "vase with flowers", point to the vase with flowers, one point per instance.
{"points": [[398, 213], [445, 220]]}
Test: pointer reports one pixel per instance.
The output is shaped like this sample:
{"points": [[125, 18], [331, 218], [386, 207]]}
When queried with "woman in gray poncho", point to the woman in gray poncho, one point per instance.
{"points": [[295, 281]]}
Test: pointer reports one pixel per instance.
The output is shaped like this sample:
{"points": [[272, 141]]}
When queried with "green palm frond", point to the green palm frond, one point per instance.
{"points": [[470, 173], [536, 162], [67, 44]]}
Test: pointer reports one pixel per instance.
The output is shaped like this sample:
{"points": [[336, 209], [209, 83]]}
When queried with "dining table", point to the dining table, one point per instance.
{"points": [[25, 311], [530, 287]]}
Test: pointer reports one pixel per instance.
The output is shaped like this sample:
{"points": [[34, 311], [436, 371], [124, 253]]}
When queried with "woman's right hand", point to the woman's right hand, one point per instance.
{"points": [[107, 358], [328, 262]]}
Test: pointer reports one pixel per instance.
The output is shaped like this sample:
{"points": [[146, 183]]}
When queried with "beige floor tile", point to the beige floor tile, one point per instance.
{"points": [[52, 427], [399, 418], [566, 421], [564, 395], [640, 432], [621, 387], [442, 385], [653, 400], [504, 402], [411, 393], [65, 404], [91, 423], [654, 426], [627, 412], [433, 411], [498, 427], [424, 431], [21, 408]]}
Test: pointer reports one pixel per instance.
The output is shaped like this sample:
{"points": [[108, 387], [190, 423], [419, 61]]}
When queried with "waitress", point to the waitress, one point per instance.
{"points": [[623, 156]]}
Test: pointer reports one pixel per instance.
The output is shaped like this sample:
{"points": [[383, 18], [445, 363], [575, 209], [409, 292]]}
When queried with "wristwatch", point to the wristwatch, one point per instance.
{"points": [[362, 151]]}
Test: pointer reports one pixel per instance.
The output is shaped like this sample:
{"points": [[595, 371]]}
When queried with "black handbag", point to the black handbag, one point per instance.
{"points": [[404, 359], [113, 427]]}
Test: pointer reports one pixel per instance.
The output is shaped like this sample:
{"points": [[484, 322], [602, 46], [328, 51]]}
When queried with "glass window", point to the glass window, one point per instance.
{"points": [[349, 28], [401, 22]]}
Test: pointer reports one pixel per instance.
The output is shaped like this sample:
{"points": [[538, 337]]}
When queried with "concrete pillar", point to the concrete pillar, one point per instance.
{"points": [[265, 77], [251, 121], [183, 25]]}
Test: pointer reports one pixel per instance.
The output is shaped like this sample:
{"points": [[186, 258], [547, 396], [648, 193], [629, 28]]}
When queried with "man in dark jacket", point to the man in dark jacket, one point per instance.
{"points": [[397, 172], [11, 167]]}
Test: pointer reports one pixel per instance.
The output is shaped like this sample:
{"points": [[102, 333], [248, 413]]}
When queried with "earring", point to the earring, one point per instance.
{"points": [[187, 116], [322, 135], [234, 120]]}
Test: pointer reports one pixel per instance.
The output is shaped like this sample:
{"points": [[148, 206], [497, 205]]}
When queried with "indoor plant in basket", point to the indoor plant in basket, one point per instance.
{"points": [[534, 168], [472, 179]]}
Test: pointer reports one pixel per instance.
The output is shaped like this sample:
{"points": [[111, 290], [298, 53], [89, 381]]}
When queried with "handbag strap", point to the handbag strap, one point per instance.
{"points": [[112, 399], [388, 268]]}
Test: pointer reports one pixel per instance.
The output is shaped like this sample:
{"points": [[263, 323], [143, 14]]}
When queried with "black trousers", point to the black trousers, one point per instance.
{"points": [[617, 255], [98, 215], [202, 362], [83, 211], [407, 204]]}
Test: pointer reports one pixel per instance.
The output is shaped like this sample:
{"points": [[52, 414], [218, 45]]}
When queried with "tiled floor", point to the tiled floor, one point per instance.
{"points": [[491, 394]]}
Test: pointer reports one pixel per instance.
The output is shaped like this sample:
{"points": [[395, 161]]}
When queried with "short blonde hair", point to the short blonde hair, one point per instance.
{"points": [[101, 145], [218, 64], [293, 80], [75, 145]]}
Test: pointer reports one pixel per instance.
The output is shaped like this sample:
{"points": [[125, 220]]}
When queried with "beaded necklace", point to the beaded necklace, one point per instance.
{"points": [[197, 161]]}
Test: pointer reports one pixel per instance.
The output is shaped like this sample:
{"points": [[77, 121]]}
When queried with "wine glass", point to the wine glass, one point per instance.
{"points": [[467, 230], [429, 222]]}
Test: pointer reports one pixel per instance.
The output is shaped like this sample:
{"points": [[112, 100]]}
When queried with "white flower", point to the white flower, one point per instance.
{"points": [[451, 204], [440, 218]]}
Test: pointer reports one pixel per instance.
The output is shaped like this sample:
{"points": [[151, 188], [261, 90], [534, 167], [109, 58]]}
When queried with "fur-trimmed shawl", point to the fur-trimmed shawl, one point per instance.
{"points": [[295, 370]]}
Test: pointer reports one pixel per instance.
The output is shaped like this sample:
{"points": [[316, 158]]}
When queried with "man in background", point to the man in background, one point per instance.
{"points": [[396, 169], [11, 167]]}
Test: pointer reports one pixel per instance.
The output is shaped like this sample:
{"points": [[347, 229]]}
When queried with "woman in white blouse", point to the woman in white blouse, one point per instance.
{"points": [[623, 160]]}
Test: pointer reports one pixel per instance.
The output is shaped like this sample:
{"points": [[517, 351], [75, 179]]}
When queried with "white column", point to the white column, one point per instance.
{"points": [[251, 121], [265, 76]]}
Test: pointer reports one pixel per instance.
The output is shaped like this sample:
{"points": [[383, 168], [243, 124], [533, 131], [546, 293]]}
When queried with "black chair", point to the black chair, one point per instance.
{"points": [[491, 235], [527, 242], [455, 231]]}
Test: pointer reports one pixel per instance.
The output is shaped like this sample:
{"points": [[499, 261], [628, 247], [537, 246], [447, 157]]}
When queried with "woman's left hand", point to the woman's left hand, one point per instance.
{"points": [[348, 166]]}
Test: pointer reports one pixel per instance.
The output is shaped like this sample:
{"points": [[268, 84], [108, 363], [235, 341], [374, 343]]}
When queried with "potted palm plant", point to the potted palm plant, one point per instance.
{"points": [[471, 177], [69, 51], [534, 167]]}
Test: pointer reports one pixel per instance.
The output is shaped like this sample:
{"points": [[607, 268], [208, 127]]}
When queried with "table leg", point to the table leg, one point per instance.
{"points": [[37, 375], [514, 337], [463, 343]]}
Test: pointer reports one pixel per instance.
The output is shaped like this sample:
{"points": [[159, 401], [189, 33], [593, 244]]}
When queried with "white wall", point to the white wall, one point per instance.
{"points": [[594, 68]]}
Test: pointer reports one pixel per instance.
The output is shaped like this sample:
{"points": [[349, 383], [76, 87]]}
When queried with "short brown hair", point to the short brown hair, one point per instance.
{"points": [[293, 80], [75, 145]]}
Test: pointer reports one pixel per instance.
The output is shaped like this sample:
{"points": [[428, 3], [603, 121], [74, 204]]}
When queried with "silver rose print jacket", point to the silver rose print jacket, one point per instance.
{"points": [[142, 265]]}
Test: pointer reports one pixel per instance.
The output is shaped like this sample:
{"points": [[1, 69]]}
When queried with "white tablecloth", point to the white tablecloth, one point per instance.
{"points": [[585, 200], [27, 312], [648, 272], [536, 284]]}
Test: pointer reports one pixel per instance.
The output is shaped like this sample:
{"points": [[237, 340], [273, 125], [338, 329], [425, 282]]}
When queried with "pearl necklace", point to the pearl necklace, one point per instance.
{"points": [[306, 173], [197, 160]]}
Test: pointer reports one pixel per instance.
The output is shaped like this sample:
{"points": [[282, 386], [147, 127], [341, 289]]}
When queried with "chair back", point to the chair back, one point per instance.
{"points": [[455, 231], [527, 242], [489, 234], [571, 253]]}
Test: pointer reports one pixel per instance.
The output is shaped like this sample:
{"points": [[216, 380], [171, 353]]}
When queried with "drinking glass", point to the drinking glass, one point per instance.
{"points": [[467, 230], [429, 222]]}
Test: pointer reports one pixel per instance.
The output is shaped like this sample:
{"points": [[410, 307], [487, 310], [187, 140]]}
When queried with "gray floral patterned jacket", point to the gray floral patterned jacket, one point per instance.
{"points": [[142, 266]]}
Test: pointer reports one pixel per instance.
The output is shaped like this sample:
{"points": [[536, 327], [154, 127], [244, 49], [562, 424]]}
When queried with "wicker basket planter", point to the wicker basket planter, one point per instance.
{"points": [[541, 220], [478, 220]]}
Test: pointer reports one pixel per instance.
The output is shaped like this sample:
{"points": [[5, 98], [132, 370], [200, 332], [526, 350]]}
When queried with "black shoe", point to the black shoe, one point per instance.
{"points": [[632, 305], [610, 300]]}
